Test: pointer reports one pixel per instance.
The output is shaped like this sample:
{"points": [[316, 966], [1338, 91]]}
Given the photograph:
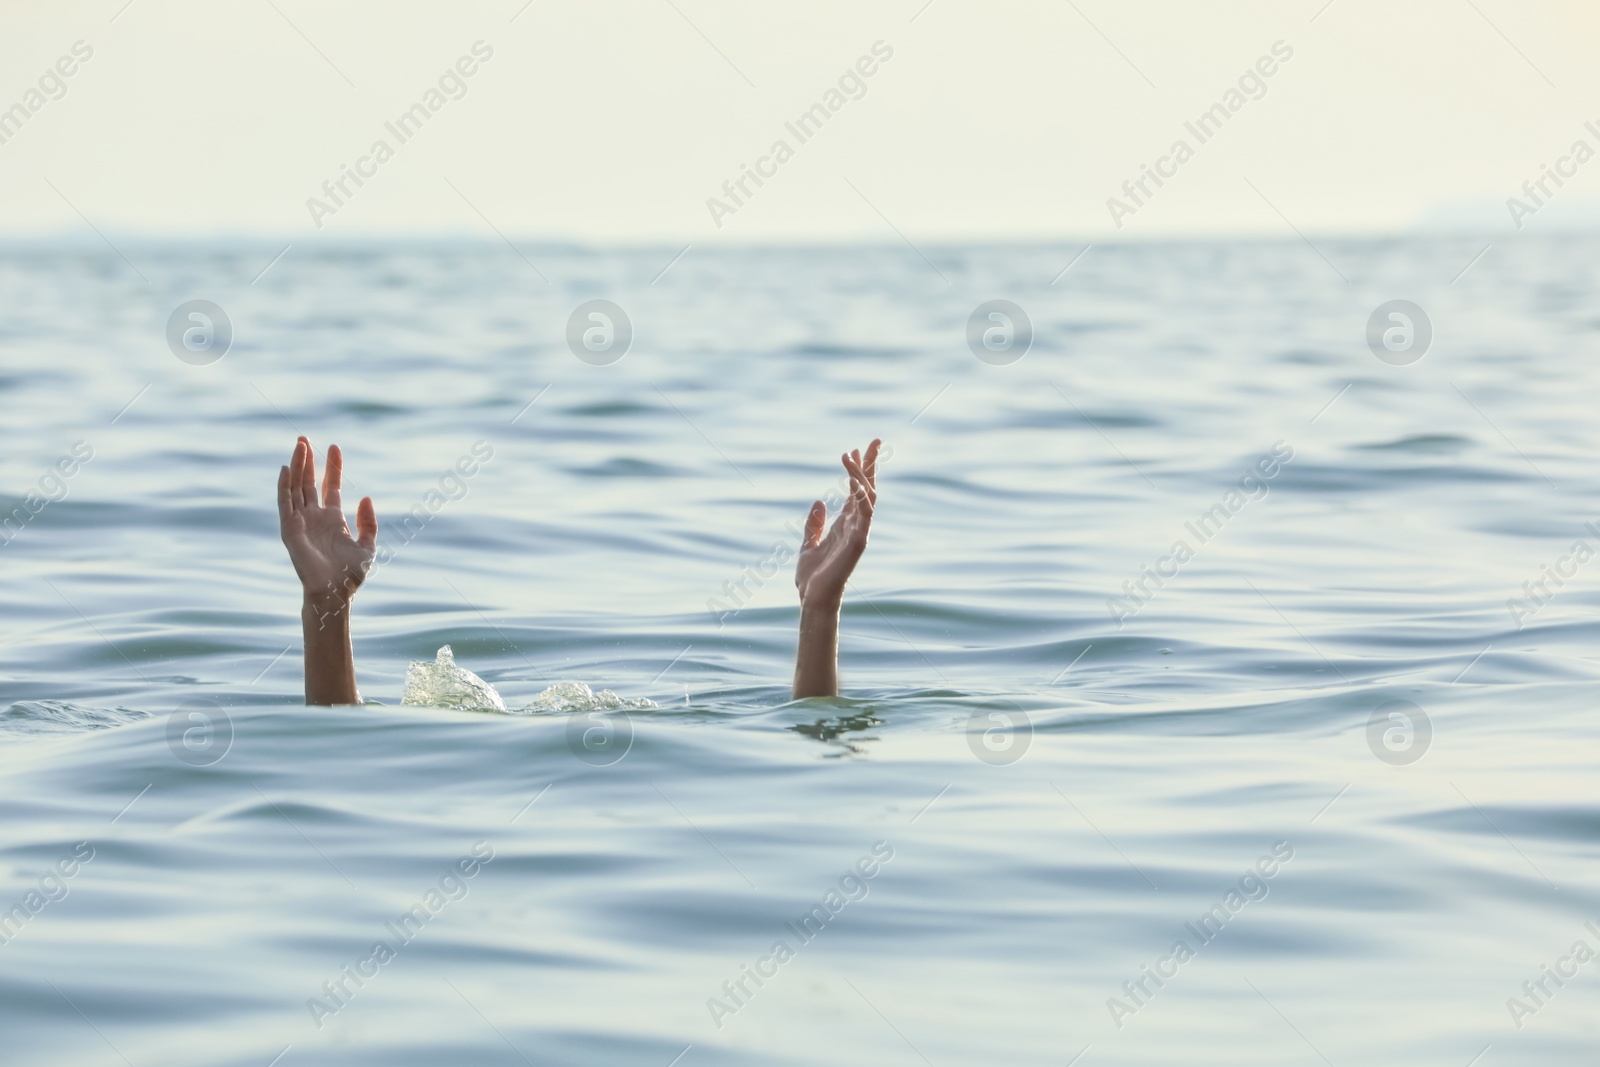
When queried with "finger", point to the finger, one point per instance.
{"points": [[308, 476], [367, 524], [285, 498], [871, 464], [855, 504], [858, 479], [815, 520], [332, 478], [852, 467], [297, 473], [852, 471], [862, 498], [296, 466]]}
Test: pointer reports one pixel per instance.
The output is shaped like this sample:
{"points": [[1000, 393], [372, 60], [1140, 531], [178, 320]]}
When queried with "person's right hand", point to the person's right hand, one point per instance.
{"points": [[331, 564], [826, 563]]}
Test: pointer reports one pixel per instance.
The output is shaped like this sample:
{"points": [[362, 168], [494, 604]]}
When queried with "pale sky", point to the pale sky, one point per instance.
{"points": [[614, 122]]}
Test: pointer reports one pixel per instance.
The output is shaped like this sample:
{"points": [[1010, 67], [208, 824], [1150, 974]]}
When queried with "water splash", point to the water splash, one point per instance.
{"points": [[576, 696], [443, 684]]}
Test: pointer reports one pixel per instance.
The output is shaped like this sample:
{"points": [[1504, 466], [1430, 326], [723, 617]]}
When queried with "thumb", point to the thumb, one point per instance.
{"points": [[814, 523], [366, 524]]}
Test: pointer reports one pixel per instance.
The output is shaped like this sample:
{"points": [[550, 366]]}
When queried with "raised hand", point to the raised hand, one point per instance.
{"points": [[331, 564], [825, 565], [826, 562]]}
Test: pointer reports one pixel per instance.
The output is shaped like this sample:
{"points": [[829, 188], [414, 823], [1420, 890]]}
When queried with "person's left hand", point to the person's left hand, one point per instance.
{"points": [[331, 564]]}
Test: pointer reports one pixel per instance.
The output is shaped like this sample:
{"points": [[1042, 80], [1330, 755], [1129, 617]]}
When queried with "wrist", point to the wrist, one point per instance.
{"points": [[324, 607], [819, 608]]}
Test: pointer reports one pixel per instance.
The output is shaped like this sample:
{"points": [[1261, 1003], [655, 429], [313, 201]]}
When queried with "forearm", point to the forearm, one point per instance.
{"points": [[330, 662], [816, 667]]}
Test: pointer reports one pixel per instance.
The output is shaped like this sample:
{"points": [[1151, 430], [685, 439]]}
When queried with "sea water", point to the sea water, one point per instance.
{"points": [[1340, 747]]}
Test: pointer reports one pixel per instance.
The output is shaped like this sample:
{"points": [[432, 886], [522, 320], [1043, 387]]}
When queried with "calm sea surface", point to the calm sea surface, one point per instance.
{"points": [[1318, 750]]}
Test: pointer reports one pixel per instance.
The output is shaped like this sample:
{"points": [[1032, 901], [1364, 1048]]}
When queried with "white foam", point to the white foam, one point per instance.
{"points": [[443, 684]]}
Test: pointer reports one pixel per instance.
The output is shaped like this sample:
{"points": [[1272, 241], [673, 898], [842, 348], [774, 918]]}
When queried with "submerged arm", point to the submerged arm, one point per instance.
{"points": [[330, 660], [816, 664]]}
